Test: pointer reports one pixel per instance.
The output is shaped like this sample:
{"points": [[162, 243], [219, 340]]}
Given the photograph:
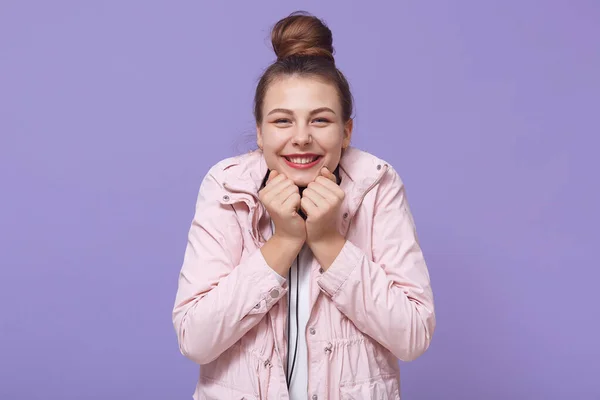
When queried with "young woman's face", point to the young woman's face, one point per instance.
{"points": [[302, 128]]}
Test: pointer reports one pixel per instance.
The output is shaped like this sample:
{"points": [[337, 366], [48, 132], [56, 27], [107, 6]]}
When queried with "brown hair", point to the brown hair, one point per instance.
{"points": [[303, 45]]}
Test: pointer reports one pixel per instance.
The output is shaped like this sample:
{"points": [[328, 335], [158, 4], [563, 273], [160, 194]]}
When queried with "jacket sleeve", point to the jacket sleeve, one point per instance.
{"points": [[388, 297], [219, 297]]}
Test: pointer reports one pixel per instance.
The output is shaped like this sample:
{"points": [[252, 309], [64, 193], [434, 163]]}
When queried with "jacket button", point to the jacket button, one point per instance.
{"points": [[315, 397], [274, 293], [225, 198], [345, 215], [378, 167], [321, 270], [312, 331], [257, 306]]}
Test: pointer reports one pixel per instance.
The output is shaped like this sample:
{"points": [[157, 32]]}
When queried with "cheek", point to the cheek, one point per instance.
{"points": [[272, 140], [332, 144], [331, 140]]}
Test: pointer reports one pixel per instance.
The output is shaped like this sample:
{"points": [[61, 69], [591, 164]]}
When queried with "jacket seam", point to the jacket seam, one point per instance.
{"points": [[337, 290], [342, 341], [367, 380], [221, 383]]}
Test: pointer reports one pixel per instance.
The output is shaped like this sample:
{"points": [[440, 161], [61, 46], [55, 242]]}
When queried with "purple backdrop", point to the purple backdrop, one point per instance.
{"points": [[112, 112]]}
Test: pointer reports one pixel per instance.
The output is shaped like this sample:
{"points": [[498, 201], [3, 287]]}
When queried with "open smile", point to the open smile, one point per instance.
{"points": [[302, 161]]}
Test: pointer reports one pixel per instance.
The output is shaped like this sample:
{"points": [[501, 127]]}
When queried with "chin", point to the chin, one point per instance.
{"points": [[302, 177], [302, 180]]}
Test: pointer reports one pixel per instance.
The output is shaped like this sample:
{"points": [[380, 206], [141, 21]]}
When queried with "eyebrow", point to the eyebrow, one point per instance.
{"points": [[290, 112]]}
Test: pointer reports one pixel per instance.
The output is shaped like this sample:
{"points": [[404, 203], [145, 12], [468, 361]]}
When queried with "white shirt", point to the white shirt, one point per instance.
{"points": [[299, 382]]}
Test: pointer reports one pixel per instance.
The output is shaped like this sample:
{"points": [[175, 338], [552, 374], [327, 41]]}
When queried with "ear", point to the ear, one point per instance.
{"points": [[259, 137], [347, 133]]}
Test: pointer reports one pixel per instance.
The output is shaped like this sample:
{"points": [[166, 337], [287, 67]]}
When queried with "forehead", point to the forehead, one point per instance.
{"points": [[301, 93]]}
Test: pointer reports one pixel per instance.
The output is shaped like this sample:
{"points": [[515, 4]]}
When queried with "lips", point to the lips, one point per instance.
{"points": [[302, 161]]}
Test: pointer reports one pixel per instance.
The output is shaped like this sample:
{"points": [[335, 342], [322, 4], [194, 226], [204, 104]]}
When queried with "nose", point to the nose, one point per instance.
{"points": [[302, 136]]}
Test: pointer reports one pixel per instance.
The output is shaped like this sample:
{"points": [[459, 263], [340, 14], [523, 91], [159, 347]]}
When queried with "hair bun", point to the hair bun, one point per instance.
{"points": [[302, 34]]}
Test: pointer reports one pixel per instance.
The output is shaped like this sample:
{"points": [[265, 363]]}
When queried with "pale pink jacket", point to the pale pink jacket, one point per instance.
{"points": [[373, 305]]}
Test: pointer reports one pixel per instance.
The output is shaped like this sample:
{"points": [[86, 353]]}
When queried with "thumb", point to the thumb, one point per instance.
{"points": [[328, 174], [272, 175]]}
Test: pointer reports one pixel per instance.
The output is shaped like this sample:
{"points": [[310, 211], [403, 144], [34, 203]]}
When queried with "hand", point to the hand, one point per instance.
{"points": [[281, 198], [321, 201]]}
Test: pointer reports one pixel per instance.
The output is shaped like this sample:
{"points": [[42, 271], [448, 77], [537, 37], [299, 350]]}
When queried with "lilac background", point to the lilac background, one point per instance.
{"points": [[112, 111]]}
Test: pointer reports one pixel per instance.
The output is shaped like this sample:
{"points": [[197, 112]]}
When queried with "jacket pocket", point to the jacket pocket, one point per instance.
{"points": [[383, 387], [210, 389]]}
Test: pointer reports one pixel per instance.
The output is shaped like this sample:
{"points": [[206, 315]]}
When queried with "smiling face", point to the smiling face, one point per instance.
{"points": [[302, 129]]}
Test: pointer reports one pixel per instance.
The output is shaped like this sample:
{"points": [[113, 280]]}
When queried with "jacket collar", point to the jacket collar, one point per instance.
{"points": [[241, 177], [358, 171]]}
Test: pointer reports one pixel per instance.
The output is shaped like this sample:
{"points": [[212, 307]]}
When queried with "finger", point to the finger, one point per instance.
{"points": [[272, 183], [315, 197], [272, 175], [330, 186], [308, 206], [276, 187], [283, 196], [275, 177], [292, 203], [323, 191], [325, 172]]}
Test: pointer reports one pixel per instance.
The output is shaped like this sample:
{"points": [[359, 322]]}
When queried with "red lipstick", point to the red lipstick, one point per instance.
{"points": [[301, 160]]}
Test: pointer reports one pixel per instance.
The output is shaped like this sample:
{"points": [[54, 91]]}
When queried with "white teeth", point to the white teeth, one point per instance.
{"points": [[302, 160]]}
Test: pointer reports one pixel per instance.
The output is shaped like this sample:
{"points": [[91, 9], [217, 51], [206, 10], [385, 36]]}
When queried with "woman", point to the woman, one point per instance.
{"points": [[303, 276]]}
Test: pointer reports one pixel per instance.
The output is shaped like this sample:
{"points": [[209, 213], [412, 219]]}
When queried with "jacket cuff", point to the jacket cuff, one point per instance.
{"points": [[332, 280], [279, 278], [270, 286]]}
